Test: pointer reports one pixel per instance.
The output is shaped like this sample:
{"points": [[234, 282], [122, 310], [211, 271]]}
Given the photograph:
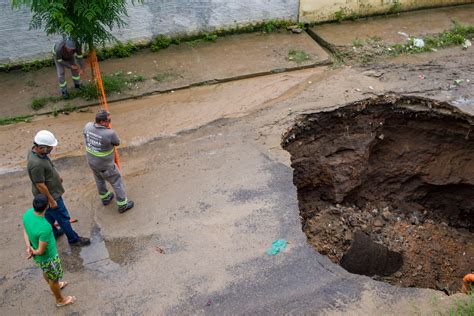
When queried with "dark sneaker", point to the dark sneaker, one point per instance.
{"points": [[83, 241], [126, 207], [79, 86], [59, 233], [108, 199], [65, 95]]}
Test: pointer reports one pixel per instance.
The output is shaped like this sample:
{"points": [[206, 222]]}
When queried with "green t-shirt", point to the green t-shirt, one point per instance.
{"points": [[41, 170], [39, 229]]}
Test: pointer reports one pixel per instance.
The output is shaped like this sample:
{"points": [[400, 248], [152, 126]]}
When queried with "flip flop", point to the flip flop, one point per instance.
{"points": [[72, 220], [62, 284], [69, 300]]}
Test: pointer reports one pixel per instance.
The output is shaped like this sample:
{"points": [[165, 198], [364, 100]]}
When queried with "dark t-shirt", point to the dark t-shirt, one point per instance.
{"points": [[41, 170]]}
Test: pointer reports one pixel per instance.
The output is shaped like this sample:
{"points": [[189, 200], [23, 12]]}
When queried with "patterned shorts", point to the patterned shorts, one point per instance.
{"points": [[52, 268]]}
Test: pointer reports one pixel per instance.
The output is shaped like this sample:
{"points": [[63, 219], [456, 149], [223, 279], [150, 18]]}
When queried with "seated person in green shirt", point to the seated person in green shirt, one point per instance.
{"points": [[41, 245]]}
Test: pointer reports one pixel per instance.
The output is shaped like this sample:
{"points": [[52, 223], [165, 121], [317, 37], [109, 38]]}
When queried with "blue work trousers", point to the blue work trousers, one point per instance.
{"points": [[61, 215]]}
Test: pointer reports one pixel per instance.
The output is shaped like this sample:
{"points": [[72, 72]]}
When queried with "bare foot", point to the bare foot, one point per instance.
{"points": [[69, 300]]}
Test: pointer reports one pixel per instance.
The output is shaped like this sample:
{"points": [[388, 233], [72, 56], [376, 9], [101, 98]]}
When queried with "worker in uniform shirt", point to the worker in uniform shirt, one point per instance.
{"points": [[100, 140], [67, 54]]}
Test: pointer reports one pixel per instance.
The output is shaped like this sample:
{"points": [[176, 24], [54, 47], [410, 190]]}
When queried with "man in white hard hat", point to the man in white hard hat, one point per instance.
{"points": [[67, 54], [45, 179]]}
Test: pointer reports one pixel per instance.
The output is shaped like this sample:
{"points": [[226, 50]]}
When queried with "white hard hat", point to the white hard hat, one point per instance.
{"points": [[45, 138]]}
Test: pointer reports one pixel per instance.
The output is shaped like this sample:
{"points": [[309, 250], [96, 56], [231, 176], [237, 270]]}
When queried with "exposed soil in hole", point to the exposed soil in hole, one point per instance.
{"points": [[386, 189]]}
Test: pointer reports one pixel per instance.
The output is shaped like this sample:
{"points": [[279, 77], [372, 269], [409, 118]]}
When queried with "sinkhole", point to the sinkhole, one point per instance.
{"points": [[386, 189]]}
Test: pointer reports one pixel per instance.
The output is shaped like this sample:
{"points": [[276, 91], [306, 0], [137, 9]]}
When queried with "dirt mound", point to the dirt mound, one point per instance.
{"points": [[398, 172]]}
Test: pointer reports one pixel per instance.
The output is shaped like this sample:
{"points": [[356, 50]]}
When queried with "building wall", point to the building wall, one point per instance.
{"points": [[153, 17], [326, 10], [173, 17]]}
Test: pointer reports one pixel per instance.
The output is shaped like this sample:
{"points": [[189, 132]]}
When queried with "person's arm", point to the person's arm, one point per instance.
{"points": [[78, 59], [29, 250], [41, 186], [42, 245], [115, 140]]}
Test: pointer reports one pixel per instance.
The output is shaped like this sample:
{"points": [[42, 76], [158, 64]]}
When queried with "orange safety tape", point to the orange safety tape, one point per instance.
{"points": [[94, 63]]}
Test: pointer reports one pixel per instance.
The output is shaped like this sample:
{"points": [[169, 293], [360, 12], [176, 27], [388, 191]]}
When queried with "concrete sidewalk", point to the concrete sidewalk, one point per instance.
{"points": [[189, 64], [229, 58], [388, 28]]}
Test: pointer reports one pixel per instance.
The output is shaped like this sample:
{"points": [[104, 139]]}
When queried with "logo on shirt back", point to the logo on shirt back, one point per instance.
{"points": [[93, 141]]}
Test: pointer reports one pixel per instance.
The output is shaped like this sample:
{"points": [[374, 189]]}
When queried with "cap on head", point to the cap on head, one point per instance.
{"points": [[101, 116], [70, 44], [40, 202], [45, 138]]}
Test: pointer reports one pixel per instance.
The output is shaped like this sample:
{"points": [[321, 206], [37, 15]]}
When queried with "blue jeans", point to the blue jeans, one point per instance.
{"points": [[61, 215]]}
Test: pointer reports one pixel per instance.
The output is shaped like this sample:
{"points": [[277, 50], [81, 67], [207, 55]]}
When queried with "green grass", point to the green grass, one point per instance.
{"points": [[209, 37], [160, 42], [67, 108], [340, 15], [39, 103], [357, 42], [193, 43], [457, 35], [354, 16], [162, 76], [463, 307], [55, 110], [113, 83], [16, 119], [298, 56], [395, 8], [120, 50], [31, 83], [135, 78], [36, 65]]}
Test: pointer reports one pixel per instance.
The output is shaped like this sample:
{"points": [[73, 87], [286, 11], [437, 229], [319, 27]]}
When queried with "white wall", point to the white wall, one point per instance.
{"points": [[170, 17], [145, 21], [325, 10]]}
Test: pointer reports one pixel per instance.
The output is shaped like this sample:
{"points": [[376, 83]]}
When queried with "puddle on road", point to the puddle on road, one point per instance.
{"points": [[124, 250], [105, 255]]}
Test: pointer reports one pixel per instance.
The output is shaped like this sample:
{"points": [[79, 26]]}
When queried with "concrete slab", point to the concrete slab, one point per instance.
{"points": [[416, 23], [179, 66]]}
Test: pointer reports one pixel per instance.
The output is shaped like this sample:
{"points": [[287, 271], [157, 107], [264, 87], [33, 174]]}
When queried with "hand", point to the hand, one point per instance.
{"points": [[53, 204], [75, 67], [29, 251]]}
